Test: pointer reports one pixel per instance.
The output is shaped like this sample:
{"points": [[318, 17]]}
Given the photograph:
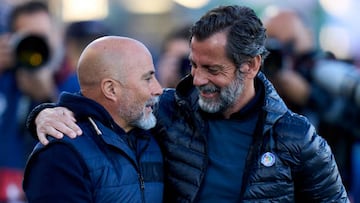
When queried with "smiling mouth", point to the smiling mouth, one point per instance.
{"points": [[150, 104], [209, 93]]}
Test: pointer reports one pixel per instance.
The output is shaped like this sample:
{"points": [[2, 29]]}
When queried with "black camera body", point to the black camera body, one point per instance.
{"points": [[278, 56]]}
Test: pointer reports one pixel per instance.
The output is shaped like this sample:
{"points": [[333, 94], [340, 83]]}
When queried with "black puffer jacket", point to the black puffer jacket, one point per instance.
{"points": [[304, 168]]}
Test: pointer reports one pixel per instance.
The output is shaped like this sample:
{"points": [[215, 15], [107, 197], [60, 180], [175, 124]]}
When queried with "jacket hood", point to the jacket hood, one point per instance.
{"points": [[274, 106], [84, 107]]}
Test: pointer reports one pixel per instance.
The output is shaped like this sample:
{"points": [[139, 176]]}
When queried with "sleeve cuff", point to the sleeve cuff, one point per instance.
{"points": [[30, 122]]}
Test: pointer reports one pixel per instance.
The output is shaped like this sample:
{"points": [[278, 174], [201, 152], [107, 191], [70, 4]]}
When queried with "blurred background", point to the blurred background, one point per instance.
{"points": [[334, 22], [314, 63]]}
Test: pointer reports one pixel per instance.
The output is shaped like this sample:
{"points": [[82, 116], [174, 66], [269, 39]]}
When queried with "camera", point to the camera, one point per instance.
{"points": [[31, 51], [280, 53]]}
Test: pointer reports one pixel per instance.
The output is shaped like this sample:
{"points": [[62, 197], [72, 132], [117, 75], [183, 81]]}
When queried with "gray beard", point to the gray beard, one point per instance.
{"points": [[228, 96], [146, 123]]}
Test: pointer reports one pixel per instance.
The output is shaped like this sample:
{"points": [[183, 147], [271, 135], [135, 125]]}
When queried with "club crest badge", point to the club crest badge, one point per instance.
{"points": [[268, 159]]}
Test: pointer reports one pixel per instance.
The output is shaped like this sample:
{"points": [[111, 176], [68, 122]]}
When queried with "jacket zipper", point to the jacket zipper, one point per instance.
{"points": [[142, 186], [136, 163], [138, 153]]}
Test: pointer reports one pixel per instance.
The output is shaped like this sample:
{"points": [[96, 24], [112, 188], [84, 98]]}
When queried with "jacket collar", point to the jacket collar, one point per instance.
{"points": [[274, 106]]}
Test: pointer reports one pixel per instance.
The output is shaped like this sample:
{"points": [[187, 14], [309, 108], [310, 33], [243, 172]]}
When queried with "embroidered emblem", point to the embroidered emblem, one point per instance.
{"points": [[268, 159]]}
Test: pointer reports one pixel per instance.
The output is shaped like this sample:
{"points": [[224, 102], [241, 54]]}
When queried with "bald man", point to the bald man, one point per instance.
{"points": [[116, 159]]}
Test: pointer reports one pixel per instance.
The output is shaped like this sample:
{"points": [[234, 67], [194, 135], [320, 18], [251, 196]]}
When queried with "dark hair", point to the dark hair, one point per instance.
{"points": [[26, 8], [245, 32], [84, 32]]}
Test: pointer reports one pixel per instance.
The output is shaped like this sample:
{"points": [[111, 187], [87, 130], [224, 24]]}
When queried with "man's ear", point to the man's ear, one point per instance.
{"points": [[109, 88], [252, 67]]}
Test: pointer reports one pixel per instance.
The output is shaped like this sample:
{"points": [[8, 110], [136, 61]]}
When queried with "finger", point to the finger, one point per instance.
{"points": [[45, 124], [68, 118], [66, 128], [72, 127], [42, 136], [42, 139], [58, 120]]}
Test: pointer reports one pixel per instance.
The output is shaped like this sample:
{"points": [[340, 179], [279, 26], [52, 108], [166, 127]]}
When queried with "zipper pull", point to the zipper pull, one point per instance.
{"points": [[142, 183]]}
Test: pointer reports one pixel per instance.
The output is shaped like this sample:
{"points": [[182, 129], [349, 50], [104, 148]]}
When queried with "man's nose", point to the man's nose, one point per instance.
{"points": [[199, 77], [157, 89]]}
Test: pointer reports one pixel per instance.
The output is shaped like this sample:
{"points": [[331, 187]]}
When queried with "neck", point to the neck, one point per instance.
{"points": [[121, 122], [244, 98]]}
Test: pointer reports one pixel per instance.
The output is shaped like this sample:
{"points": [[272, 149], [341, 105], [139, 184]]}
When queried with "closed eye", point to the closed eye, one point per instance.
{"points": [[149, 76]]}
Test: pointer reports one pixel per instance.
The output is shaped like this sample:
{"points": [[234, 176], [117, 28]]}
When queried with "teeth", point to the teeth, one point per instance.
{"points": [[209, 91]]}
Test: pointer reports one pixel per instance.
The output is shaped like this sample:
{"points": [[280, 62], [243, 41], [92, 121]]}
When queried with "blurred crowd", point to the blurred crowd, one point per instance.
{"points": [[316, 84], [38, 61]]}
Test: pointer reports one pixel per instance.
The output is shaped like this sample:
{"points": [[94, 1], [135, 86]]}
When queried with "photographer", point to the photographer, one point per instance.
{"points": [[26, 79], [173, 63], [297, 70]]}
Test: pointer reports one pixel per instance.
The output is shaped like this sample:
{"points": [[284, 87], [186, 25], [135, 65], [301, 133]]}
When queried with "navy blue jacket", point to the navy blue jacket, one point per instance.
{"points": [[303, 168], [105, 164]]}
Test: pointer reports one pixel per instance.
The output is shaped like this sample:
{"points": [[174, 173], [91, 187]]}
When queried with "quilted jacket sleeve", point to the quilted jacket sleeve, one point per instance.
{"points": [[317, 177]]}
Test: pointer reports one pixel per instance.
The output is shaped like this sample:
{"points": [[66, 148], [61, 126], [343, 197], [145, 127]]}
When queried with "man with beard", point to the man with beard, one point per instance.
{"points": [[226, 134], [116, 159]]}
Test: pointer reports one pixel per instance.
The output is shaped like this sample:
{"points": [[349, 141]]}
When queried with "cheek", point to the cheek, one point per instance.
{"points": [[132, 102], [141, 95], [221, 80]]}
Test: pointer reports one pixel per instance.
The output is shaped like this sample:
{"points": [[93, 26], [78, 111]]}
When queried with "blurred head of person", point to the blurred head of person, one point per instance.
{"points": [[79, 34], [291, 40], [33, 18], [287, 26], [173, 62], [292, 55]]}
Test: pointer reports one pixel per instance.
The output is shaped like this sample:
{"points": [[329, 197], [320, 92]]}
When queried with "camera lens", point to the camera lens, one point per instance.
{"points": [[32, 52]]}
